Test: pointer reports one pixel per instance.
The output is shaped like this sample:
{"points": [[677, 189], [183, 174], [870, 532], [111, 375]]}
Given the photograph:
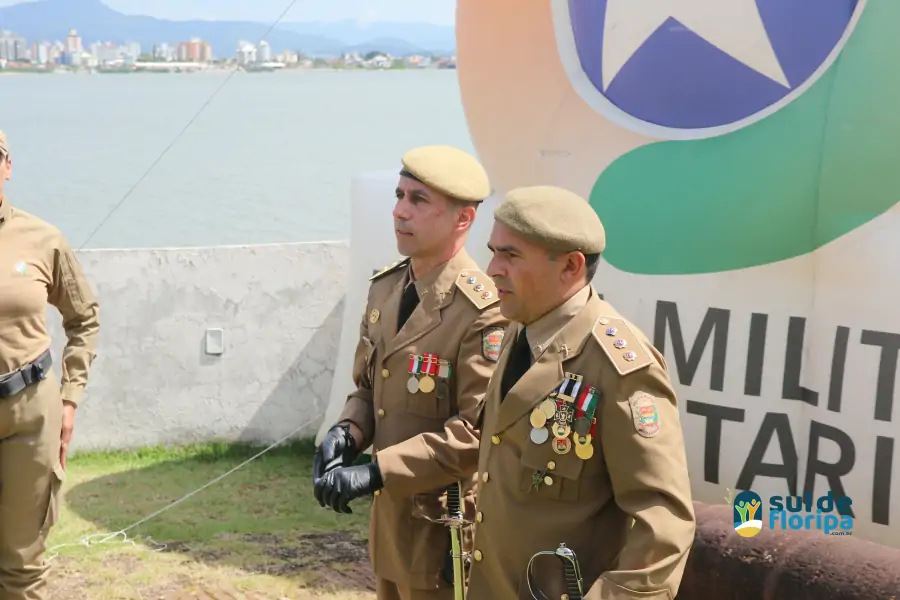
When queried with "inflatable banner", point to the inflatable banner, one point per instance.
{"points": [[744, 156]]}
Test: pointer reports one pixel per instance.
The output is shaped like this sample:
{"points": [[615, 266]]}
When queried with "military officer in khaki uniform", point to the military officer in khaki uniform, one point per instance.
{"points": [[36, 415], [429, 341], [582, 443]]}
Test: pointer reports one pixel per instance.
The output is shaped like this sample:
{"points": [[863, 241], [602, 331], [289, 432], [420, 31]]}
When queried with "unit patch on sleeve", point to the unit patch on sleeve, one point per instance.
{"points": [[491, 340], [644, 414]]}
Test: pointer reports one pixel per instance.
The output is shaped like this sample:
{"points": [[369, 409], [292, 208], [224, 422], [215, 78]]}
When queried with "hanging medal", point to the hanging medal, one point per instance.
{"points": [[586, 423], [426, 383], [415, 365], [443, 382], [561, 428]]}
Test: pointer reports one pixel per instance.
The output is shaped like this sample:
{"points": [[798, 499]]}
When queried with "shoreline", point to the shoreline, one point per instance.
{"points": [[11, 72]]}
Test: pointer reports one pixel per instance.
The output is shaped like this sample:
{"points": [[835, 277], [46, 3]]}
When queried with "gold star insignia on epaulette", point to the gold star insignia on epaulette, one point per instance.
{"points": [[621, 345], [478, 288]]}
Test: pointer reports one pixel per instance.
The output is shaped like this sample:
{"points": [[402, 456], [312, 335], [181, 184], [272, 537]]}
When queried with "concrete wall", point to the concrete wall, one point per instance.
{"points": [[280, 307]]}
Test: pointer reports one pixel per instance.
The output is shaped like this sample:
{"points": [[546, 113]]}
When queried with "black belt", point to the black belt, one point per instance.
{"points": [[26, 375]]}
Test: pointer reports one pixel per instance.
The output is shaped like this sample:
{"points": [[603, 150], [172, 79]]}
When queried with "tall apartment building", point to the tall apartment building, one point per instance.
{"points": [[195, 50]]}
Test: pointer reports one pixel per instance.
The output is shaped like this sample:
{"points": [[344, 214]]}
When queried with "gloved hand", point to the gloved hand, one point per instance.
{"points": [[337, 444], [339, 486]]}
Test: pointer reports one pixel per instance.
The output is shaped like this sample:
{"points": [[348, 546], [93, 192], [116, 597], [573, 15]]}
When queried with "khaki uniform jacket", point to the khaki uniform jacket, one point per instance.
{"points": [[426, 440], [37, 266], [638, 470]]}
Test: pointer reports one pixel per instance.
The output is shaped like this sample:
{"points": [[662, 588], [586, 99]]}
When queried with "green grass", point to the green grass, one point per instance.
{"points": [[257, 533]]}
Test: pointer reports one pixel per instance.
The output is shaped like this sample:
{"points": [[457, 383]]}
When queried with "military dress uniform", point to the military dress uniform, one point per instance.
{"points": [[37, 266], [582, 444], [427, 349]]}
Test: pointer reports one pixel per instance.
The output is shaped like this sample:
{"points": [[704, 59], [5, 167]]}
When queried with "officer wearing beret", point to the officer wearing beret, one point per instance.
{"points": [[429, 341], [582, 440], [37, 416]]}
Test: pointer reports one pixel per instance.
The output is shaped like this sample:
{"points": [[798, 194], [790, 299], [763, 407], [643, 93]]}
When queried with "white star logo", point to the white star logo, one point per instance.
{"points": [[733, 26]]}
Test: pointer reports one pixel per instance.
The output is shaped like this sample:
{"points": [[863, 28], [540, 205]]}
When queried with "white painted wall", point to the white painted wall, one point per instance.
{"points": [[152, 383]]}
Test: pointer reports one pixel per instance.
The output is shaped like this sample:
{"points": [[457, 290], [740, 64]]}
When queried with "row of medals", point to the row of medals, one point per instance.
{"points": [[426, 384], [562, 414]]}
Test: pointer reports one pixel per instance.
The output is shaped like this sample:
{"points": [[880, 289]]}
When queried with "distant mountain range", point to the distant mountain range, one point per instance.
{"points": [[52, 19]]}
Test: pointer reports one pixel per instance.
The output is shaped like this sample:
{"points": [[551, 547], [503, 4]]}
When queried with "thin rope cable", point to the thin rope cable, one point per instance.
{"points": [[87, 540], [178, 137]]}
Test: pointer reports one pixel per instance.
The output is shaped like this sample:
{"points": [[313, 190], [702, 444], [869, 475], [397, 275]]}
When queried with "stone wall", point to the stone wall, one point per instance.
{"points": [[280, 308]]}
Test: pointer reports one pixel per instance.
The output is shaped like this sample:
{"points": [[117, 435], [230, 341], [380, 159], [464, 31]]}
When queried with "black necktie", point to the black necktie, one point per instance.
{"points": [[519, 361], [408, 303]]}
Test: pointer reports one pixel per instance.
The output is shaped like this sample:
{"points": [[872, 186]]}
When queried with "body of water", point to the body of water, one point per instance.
{"points": [[269, 159]]}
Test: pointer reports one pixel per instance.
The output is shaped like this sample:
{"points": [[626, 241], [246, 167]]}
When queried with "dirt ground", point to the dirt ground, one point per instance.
{"points": [[331, 566]]}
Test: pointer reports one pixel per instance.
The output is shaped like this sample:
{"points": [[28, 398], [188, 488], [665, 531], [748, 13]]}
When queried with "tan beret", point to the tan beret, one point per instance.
{"points": [[4, 145], [553, 218], [448, 170]]}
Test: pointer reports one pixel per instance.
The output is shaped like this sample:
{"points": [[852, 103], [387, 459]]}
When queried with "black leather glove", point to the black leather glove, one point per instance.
{"points": [[339, 486], [337, 446]]}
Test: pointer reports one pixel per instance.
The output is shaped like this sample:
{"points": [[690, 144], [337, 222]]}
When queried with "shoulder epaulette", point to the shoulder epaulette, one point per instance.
{"points": [[389, 269], [477, 287], [621, 345]]}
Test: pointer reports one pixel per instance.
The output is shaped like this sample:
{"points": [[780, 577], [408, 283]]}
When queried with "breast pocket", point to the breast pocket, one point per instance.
{"points": [[546, 474]]}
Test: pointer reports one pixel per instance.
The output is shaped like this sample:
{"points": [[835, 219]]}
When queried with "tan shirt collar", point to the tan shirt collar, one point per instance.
{"points": [[544, 330], [440, 280]]}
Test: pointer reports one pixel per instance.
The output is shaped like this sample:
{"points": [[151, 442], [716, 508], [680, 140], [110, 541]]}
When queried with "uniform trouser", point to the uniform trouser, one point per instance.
{"points": [[30, 482], [388, 590]]}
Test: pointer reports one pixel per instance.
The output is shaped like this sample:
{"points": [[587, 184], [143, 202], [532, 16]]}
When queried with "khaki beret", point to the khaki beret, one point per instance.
{"points": [[448, 170], [4, 145], [553, 218]]}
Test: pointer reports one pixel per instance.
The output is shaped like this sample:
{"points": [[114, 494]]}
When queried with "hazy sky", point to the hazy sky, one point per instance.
{"points": [[430, 11]]}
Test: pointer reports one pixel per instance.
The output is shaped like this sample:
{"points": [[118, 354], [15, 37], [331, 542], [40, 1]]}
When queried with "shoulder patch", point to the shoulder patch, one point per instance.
{"points": [[477, 287], [491, 342], [389, 269], [621, 345], [644, 414]]}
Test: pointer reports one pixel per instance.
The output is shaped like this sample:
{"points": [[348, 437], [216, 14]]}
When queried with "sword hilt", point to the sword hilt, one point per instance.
{"points": [[454, 501], [572, 572]]}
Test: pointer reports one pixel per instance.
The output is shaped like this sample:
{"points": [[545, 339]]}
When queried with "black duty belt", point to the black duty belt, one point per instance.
{"points": [[26, 375]]}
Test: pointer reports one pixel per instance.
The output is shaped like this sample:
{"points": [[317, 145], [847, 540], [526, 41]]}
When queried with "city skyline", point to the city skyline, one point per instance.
{"points": [[438, 12]]}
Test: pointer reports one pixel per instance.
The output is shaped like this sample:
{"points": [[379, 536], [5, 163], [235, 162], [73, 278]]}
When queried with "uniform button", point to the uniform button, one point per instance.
{"points": [[548, 480], [385, 373], [495, 439], [380, 412], [377, 492], [479, 516], [485, 477], [478, 556], [551, 465]]}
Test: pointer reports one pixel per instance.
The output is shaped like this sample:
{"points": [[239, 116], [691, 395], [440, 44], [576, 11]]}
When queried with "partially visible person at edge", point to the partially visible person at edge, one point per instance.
{"points": [[429, 341], [586, 443], [37, 416]]}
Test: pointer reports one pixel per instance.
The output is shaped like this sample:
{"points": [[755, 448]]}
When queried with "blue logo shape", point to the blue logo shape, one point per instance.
{"points": [[748, 514], [686, 69]]}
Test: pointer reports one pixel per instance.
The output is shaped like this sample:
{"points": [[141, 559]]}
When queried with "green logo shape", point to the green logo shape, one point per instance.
{"points": [[819, 168]]}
